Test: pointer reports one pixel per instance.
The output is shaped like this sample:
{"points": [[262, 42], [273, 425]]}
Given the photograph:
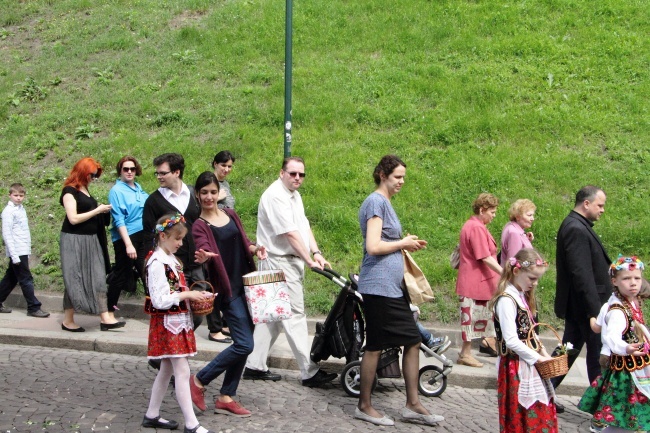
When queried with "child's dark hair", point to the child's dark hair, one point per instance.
{"points": [[524, 260], [16, 188], [167, 223]]}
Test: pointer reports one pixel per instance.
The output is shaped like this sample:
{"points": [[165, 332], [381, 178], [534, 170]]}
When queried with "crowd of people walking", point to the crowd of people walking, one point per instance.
{"points": [[185, 242]]}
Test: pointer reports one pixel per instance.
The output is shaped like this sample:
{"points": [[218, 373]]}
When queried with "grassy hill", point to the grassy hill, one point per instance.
{"points": [[521, 99]]}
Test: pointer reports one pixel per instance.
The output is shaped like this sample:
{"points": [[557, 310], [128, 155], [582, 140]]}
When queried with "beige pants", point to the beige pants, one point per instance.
{"points": [[295, 329]]}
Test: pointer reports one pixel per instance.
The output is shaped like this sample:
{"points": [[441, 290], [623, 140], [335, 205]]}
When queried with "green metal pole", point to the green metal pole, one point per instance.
{"points": [[287, 78]]}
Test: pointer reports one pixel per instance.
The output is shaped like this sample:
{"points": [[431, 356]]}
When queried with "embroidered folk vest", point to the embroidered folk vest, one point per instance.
{"points": [[627, 362], [522, 320]]}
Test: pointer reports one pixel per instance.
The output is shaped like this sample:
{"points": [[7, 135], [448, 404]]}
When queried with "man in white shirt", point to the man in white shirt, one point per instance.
{"points": [[284, 230]]}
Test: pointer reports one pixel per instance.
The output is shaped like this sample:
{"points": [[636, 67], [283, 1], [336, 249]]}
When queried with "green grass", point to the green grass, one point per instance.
{"points": [[523, 99]]}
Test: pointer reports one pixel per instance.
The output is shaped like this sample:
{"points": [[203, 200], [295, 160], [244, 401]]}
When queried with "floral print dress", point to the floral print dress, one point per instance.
{"points": [[617, 397]]}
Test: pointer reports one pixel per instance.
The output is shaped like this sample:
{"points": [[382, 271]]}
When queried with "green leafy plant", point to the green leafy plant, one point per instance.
{"points": [[187, 57], [105, 76], [85, 131]]}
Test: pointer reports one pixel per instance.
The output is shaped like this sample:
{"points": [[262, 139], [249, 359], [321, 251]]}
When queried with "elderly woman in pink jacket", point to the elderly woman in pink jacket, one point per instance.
{"points": [[514, 237], [478, 275]]}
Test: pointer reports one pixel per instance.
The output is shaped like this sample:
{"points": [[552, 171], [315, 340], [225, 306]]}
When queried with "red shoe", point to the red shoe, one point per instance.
{"points": [[198, 396], [232, 408]]}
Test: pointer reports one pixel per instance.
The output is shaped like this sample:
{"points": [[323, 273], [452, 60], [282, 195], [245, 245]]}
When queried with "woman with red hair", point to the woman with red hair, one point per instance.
{"points": [[83, 247]]}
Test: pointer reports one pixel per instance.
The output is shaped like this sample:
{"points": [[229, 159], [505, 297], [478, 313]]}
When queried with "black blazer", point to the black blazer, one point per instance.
{"points": [[583, 281]]}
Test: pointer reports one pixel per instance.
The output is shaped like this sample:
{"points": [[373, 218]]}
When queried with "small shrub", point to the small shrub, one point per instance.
{"points": [[85, 131]]}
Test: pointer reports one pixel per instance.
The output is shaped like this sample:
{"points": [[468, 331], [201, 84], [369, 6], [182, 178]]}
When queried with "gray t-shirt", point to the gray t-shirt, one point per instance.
{"points": [[229, 201], [381, 275]]}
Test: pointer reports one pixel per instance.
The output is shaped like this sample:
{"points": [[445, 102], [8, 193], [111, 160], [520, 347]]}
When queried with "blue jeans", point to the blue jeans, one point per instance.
{"points": [[233, 359], [427, 338], [20, 274]]}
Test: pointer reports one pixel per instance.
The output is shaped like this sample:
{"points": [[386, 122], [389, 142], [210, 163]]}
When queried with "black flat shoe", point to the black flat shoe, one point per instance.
{"points": [[109, 326], [250, 374], [194, 430], [226, 340], [157, 423], [79, 329]]}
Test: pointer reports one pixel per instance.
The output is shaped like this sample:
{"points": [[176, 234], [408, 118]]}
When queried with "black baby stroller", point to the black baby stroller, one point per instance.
{"points": [[342, 335]]}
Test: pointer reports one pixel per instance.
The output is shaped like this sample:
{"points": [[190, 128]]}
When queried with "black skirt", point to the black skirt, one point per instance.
{"points": [[389, 323]]}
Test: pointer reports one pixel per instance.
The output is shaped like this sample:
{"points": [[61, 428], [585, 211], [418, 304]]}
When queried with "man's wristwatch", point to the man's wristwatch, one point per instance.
{"points": [[316, 252]]}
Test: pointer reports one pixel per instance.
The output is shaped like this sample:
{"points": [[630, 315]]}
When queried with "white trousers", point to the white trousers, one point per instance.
{"points": [[295, 328]]}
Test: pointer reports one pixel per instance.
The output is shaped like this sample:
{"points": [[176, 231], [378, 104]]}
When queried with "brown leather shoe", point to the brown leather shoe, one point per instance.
{"points": [[469, 361]]}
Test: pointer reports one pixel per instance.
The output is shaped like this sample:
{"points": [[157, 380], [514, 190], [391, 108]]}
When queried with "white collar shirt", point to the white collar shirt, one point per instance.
{"points": [[180, 201], [281, 211]]}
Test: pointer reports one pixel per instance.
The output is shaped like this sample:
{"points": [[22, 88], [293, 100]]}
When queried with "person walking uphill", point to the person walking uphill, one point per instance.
{"points": [[583, 283], [284, 230]]}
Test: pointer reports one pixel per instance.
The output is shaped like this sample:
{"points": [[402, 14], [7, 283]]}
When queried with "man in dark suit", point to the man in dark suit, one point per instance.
{"points": [[583, 282]]}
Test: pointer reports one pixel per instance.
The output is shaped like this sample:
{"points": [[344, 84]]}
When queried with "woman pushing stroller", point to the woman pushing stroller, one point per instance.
{"points": [[389, 320]]}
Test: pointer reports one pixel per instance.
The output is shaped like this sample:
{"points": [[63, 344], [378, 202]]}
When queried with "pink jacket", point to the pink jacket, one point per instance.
{"points": [[475, 279], [513, 239]]}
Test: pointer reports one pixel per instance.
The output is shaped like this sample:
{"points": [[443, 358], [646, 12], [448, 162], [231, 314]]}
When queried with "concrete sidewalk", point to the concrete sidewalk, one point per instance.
{"points": [[18, 328]]}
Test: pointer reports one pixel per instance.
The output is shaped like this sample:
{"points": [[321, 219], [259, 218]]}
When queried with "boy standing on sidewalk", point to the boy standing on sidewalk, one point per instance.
{"points": [[18, 243]]}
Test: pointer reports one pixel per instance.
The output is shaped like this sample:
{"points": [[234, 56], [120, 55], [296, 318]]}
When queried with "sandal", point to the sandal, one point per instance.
{"points": [[485, 348], [469, 361]]}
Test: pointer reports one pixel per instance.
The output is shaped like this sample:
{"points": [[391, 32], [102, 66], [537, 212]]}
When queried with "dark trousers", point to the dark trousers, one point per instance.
{"points": [[20, 274], [233, 359], [122, 276], [215, 319], [579, 333]]}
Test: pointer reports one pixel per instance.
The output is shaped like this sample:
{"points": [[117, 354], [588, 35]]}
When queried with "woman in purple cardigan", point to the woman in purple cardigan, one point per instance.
{"points": [[228, 253], [514, 237]]}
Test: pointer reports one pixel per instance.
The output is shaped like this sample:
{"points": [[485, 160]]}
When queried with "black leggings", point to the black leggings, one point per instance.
{"points": [[122, 276]]}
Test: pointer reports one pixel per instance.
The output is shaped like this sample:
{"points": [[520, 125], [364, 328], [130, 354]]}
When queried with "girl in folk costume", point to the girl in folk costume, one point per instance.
{"points": [[618, 398], [171, 335], [526, 401]]}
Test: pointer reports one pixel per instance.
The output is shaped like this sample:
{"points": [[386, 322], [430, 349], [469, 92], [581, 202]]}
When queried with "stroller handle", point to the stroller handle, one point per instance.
{"points": [[332, 275]]}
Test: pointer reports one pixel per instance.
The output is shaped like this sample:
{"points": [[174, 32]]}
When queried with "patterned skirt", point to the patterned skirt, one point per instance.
{"points": [[476, 319], [165, 344], [614, 400], [513, 417]]}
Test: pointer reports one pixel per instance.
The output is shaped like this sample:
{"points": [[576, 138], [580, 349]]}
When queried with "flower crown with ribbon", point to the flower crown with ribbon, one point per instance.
{"points": [[626, 264], [169, 222], [526, 264]]}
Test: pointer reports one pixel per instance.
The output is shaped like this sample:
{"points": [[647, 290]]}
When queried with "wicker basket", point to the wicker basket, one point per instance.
{"points": [[204, 306], [558, 366]]}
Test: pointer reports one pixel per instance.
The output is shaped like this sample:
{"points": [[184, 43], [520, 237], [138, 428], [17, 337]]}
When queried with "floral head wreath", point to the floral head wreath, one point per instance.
{"points": [[169, 222], [626, 264], [526, 264]]}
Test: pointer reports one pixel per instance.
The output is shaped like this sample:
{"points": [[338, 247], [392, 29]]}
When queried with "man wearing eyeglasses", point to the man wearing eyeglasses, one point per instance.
{"points": [[174, 196], [284, 230]]}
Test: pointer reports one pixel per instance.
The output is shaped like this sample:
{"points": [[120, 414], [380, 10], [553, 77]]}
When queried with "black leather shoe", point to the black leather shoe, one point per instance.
{"points": [[157, 423], [250, 374], [318, 379], [38, 313], [194, 430], [559, 408], [109, 326]]}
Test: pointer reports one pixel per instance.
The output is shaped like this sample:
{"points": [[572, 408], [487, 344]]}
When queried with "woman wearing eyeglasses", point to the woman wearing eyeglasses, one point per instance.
{"points": [[127, 202], [83, 247]]}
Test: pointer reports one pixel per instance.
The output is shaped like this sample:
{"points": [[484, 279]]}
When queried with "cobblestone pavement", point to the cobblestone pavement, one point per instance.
{"points": [[57, 390]]}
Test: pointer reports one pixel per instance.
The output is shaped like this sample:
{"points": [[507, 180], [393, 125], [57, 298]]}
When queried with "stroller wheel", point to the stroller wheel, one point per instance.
{"points": [[351, 379], [431, 381]]}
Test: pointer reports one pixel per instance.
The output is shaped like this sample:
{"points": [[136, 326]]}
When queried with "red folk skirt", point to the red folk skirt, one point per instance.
{"points": [[164, 344], [513, 417]]}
